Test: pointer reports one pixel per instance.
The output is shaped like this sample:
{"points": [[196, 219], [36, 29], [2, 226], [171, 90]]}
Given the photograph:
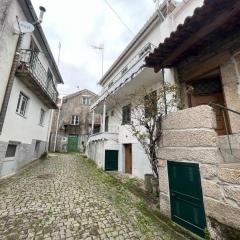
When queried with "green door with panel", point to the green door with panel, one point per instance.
{"points": [[72, 144], [186, 198], [111, 160]]}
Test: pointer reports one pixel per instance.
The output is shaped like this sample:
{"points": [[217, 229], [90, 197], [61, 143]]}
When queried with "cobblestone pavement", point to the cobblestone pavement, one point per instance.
{"points": [[64, 197]]}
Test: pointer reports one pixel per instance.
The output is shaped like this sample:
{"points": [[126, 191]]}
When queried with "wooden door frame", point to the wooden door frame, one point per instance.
{"points": [[198, 78], [125, 157]]}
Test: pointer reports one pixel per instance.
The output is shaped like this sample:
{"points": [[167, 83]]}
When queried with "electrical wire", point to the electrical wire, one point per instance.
{"points": [[118, 16]]}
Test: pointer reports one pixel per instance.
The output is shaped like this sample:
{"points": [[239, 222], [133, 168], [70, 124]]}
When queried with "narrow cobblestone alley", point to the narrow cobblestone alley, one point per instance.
{"points": [[66, 197]]}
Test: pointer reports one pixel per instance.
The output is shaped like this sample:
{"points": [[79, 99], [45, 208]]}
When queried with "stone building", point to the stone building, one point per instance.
{"points": [[75, 121], [28, 86], [199, 164]]}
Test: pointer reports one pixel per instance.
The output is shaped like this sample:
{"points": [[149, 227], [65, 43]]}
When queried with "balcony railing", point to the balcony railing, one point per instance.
{"points": [[31, 64], [133, 66], [110, 129]]}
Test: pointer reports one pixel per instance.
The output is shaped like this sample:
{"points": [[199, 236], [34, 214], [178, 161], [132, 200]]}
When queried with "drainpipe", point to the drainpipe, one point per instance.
{"points": [[57, 125], [93, 120], [164, 92], [11, 78], [104, 116]]}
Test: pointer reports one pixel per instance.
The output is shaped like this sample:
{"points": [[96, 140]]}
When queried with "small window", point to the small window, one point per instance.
{"points": [[124, 70], [22, 104], [42, 116], [86, 100], [37, 146], [126, 114], [75, 120], [150, 104], [49, 78], [11, 150]]}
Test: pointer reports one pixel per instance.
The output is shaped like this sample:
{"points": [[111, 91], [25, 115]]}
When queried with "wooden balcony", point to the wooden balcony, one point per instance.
{"points": [[31, 71]]}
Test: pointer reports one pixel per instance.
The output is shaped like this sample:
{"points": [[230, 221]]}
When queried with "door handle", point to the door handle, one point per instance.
{"points": [[173, 195]]}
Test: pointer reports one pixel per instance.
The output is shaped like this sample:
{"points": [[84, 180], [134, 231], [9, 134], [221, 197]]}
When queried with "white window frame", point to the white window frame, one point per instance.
{"points": [[75, 120], [86, 100], [22, 109], [42, 117]]}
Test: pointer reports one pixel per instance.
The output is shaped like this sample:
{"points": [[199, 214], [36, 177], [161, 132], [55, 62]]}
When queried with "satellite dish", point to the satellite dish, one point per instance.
{"points": [[23, 27]]}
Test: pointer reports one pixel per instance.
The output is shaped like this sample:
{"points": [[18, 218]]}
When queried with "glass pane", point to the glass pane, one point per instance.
{"points": [[18, 104]]}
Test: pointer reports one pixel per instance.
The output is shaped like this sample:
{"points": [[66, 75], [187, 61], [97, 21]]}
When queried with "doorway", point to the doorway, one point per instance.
{"points": [[128, 158], [186, 196], [208, 89], [72, 143], [111, 160]]}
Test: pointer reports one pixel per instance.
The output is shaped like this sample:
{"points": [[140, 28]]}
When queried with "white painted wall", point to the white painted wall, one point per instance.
{"points": [[18, 128], [140, 162], [157, 33], [8, 42]]}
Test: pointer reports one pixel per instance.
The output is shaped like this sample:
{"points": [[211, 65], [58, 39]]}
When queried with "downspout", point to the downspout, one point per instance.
{"points": [[164, 92], [57, 125], [12, 73]]}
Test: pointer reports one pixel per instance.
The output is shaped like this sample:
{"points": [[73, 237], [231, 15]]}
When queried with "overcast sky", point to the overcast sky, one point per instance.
{"points": [[79, 24]]}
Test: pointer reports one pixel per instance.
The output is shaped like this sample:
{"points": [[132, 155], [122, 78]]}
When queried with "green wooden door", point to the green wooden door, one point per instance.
{"points": [[186, 198], [72, 144], [111, 160]]}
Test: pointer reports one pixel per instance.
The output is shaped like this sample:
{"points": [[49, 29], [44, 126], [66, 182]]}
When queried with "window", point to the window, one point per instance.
{"points": [[37, 146], [42, 116], [150, 104], [11, 150], [49, 78], [145, 49], [86, 100], [126, 114], [75, 120], [124, 70], [22, 104]]}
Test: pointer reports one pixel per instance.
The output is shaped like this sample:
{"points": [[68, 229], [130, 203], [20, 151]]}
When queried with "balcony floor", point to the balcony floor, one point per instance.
{"points": [[28, 79]]}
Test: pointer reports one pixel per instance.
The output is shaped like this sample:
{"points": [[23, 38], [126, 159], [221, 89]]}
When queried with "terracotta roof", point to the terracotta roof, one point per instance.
{"points": [[213, 16]]}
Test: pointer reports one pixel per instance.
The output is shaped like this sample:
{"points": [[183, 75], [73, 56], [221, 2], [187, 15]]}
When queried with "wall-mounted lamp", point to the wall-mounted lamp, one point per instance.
{"points": [[40, 18], [42, 11]]}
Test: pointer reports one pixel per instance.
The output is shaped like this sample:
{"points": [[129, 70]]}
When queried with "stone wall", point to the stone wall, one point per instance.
{"points": [[72, 105], [230, 72], [189, 136]]}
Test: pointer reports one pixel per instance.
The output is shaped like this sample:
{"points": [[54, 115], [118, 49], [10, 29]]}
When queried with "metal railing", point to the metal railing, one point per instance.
{"points": [[109, 129], [126, 72], [223, 110], [29, 62]]}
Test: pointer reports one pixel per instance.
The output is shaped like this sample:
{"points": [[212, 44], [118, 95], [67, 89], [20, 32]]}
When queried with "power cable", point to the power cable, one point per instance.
{"points": [[120, 19]]}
